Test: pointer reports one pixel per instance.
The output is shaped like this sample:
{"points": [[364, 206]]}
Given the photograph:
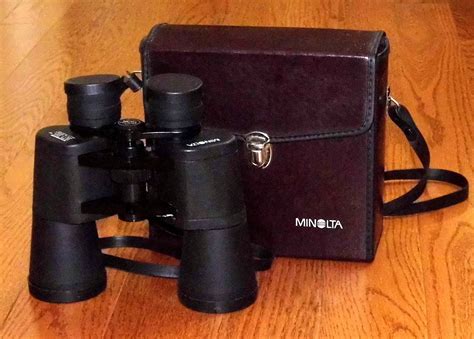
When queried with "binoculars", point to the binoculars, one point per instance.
{"points": [[166, 169]]}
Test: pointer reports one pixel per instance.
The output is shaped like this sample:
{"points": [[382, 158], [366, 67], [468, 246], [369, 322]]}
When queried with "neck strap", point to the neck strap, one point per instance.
{"points": [[407, 203]]}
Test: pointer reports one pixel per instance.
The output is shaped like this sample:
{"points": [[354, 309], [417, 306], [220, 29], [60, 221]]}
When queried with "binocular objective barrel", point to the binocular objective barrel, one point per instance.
{"points": [[200, 177], [66, 263]]}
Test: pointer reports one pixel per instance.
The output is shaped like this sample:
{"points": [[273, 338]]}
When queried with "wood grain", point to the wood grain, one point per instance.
{"points": [[422, 281]]}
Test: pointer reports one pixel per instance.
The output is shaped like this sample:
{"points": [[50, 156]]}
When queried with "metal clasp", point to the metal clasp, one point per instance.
{"points": [[391, 100], [260, 148]]}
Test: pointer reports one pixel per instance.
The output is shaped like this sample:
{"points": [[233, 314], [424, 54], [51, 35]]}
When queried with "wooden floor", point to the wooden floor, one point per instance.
{"points": [[422, 281]]}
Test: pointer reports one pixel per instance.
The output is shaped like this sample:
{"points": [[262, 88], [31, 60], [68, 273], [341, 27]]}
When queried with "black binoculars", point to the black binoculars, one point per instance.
{"points": [[167, 170]]}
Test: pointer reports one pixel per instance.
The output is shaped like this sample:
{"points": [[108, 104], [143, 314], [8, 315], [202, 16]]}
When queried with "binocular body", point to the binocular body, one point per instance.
{"points": [[173, 173]]}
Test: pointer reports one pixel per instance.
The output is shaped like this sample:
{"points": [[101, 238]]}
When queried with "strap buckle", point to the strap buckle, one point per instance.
{"points": [[395, 112], [391, 102]]}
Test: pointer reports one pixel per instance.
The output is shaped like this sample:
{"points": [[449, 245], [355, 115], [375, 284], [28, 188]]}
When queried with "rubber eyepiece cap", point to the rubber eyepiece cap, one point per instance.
{"points": [[174, 101], [93, 101]]}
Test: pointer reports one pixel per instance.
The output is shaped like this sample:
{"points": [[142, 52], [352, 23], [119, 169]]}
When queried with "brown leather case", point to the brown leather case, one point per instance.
{"points": [[321, 96]]}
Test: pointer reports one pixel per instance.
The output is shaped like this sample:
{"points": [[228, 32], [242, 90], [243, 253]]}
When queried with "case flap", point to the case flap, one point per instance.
{"points": [[292, 83]]}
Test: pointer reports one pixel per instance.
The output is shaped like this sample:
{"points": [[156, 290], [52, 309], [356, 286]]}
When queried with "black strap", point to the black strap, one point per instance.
{"points": [[406, 203], [134, 266], [437, 203], [262, 257]]}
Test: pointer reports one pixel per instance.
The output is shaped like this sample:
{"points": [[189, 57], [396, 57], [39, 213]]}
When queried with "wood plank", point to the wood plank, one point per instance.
{"points": [[23, 25], [447, 259], [431, 76], [7, 6], [35, 98], [463, 14]]}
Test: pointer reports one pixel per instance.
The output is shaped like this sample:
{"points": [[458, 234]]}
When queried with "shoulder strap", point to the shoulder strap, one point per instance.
{"points": [[262, 257], [406, 203], [134, 266]]}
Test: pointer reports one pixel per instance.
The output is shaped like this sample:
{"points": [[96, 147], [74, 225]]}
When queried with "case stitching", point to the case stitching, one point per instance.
{"points": [[369, 202], [369, 175], [356, 131], [305, 137], [370, 227]]}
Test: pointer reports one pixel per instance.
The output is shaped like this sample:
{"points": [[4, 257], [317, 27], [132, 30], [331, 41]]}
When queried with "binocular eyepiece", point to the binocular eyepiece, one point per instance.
{"points": [[174, 100], [166, 170], [93, 101]]}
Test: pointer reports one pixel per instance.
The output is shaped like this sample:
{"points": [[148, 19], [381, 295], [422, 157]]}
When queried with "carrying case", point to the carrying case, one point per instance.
{"points": [[309, 107]]}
